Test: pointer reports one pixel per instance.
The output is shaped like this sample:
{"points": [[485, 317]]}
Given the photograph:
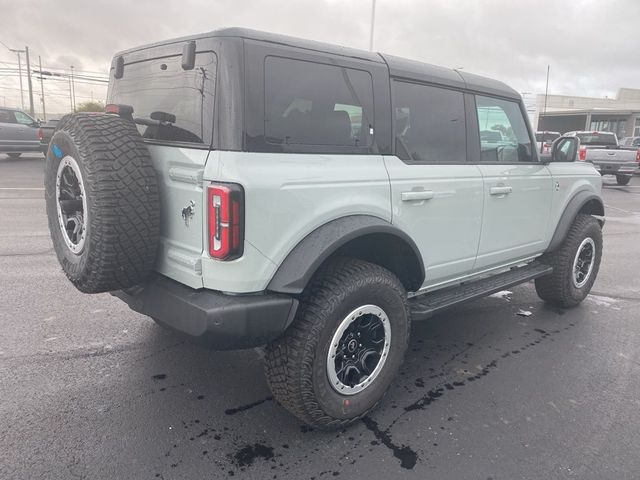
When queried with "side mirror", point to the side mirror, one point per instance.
{"points": [[565, 149]]}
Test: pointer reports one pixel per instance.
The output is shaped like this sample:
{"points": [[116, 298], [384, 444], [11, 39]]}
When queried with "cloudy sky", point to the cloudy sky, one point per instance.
{"points": [[591, 45]]}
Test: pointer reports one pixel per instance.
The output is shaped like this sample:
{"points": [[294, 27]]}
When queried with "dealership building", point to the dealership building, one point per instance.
{"points": [[620, 115]]}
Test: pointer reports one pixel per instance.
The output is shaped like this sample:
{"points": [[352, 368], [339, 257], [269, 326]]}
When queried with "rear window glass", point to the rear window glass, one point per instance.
{"points": [[170, 104], [597, 138], [546, 136], [310, 103]]}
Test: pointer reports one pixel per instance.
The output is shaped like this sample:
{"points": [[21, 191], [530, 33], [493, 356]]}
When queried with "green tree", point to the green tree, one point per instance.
{"points": [[90, 107]]}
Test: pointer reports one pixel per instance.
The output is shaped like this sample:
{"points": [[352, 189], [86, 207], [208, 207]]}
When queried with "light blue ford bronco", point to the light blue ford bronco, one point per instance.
{"points": [[247, 189]]}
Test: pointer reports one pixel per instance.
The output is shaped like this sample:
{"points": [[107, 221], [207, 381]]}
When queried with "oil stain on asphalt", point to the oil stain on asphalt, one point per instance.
{"points": [[246, 455]]}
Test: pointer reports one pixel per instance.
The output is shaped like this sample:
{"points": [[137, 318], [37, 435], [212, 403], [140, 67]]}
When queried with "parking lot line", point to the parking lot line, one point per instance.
{"points": [[22, 188]]}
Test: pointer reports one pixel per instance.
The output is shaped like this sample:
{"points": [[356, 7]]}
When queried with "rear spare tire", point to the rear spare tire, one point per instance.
{"points": [[102, 202]]}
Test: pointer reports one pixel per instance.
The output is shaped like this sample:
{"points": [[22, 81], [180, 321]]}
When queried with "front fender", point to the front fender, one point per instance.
{"points": [[583, 201]]}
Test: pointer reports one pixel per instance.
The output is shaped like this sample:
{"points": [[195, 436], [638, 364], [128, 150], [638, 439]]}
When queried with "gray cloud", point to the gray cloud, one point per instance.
{"points": [[590, 45]]}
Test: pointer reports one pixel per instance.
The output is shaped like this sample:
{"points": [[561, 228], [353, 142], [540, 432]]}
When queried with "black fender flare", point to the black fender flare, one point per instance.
{"points": [[308, 255], [583, 200]]}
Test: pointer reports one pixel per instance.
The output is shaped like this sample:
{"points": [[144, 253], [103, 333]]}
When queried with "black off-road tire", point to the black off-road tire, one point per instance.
{"points": [[123, 227], [13, 155], [295, 364], [622, 180], [558, 288]]}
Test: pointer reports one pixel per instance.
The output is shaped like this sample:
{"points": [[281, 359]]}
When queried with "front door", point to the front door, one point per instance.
{"points": [[436, 194], [517, 188]]}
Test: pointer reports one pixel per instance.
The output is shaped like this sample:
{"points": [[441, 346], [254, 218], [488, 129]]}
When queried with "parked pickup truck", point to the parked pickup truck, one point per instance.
{"points": [[47, 132], [602, 149]]}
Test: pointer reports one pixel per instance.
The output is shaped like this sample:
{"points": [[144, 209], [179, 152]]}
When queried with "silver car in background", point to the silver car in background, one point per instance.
{"points": [[19, 133]]}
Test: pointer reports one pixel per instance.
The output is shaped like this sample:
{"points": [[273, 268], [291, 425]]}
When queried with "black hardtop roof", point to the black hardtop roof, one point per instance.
{"points": [[398, 66]]}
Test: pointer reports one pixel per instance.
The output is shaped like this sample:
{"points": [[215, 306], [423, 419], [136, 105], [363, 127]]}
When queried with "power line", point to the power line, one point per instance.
{"points": [[5, 45], [102, 73]]}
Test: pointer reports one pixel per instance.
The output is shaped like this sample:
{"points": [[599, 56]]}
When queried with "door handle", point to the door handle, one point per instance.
{"points": [[500, 190], [416, 195]]}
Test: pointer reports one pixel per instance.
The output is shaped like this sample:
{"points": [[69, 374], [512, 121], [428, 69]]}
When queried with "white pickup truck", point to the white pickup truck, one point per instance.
{"points": [[602, 149]]}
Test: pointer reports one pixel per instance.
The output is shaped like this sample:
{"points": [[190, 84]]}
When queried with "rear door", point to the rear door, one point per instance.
{"points": [[174, 110], [436, 194], [517, 187]]}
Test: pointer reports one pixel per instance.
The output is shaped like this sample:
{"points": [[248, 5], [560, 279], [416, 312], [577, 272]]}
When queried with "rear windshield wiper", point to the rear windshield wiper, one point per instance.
{"points": [[156, 119]]}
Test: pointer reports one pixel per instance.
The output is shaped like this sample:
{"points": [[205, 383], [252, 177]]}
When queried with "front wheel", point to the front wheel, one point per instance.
{"points": [[622, 180], [575, 264], [338, 358]]}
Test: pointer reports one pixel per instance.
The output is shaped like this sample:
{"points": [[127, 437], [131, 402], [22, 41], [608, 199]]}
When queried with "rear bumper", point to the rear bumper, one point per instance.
{"points": [[6, 148], [213, 319], [624, 169]]}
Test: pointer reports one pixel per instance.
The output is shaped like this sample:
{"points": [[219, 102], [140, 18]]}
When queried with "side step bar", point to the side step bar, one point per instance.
{"points": [[425, 305]]}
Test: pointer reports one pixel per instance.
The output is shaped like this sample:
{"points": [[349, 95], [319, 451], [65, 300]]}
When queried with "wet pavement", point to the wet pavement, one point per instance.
{"points": [[92, 390]]}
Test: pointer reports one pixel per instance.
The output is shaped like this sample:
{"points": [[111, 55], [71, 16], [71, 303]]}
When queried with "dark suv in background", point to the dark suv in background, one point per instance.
{"points": [[19, 133]]}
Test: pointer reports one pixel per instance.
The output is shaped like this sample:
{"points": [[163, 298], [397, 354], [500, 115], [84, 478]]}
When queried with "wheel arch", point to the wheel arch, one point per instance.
{"points": [[584, 202], [363, 237]]}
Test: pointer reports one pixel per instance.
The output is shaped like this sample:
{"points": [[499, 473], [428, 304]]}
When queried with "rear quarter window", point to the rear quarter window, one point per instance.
{"points": [[159, 89], [315, 104]]}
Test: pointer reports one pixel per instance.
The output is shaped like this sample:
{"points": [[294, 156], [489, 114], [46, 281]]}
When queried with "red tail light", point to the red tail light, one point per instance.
{"points": [[638, 156], [582, 154], [40, 134], [226, 222]]}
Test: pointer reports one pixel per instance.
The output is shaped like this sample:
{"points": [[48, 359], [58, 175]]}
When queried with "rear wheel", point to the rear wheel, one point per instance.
{"points": [[622, 180], [338, 358], [14, 155], [575, 264]]}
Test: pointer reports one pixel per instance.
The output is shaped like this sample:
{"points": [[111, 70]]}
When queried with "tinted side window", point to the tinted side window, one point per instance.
{"points": [[310, 103], [503, 132], [6, 116], [429, 124]]}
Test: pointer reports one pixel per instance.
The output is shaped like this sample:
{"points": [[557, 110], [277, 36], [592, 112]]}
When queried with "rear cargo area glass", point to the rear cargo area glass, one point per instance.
{"points": [[159, 89]]}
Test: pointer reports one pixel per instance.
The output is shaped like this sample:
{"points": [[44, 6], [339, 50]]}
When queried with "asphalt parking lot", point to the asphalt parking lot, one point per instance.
{"points": [[91, 390]]}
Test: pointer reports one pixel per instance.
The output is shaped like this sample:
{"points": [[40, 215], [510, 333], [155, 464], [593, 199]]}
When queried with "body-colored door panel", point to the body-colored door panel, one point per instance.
{"points": [[517, 204], [440, 207]]}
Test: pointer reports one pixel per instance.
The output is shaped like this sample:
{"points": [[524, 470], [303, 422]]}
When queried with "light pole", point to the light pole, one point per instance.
{"points": [[73, 90], [19, 73], [373, 21], [44, 111], [29, 81]]}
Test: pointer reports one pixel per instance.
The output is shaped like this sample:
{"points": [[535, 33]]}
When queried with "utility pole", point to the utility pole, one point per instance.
{"points": [[70, 93], [26, 49], [544, 110], [373, 21], [20, 74], [73, 90], [44, 110]]}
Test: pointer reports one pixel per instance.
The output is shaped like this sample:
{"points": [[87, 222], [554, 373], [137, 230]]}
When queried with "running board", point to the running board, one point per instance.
{"points": [[425, 305]]}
